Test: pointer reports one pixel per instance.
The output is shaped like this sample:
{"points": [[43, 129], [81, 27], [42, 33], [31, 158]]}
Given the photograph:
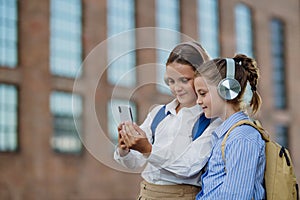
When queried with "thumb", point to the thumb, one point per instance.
{"points": [[139, 130]]}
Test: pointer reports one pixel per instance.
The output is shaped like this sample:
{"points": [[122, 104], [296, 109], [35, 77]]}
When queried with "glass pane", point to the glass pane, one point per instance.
{"points": [[66, 111], [167, 16], [243, 28], [8, 117], [277, 46], [244, 39], [121, 51], [282, 135], [8, 33], [65, 40], [208, 28]]}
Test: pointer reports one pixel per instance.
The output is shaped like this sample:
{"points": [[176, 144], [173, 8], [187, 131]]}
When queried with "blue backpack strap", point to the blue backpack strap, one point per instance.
{"points": [[200, 125], [160, 115]]}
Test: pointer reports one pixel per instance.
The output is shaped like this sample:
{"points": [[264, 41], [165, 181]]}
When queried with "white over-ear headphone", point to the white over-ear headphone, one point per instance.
{"points": [[229, 88]]}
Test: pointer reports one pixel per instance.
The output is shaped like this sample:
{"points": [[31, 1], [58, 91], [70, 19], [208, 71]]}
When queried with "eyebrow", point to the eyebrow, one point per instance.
{"points": [[181, 77], [186, 77], [201, 90]]}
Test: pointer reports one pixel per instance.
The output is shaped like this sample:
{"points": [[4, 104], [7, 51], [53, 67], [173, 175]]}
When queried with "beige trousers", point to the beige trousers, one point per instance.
{"points": [[150, 191]]}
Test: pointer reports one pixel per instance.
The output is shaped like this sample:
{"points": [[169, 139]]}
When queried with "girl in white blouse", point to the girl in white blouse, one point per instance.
{"points": [[173, 161]]}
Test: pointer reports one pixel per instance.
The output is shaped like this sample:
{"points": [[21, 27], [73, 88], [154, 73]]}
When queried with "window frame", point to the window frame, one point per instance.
{"points": [[213, 49], [69, 70], [78, 133], [114, 53], [17, 128], [239, 49], [251, 24], [283, 103], [162, 54], [4, 62]]}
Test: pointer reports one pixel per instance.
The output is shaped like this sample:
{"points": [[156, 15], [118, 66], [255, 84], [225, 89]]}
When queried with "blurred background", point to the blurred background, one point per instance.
{"points": [[57, 100]]}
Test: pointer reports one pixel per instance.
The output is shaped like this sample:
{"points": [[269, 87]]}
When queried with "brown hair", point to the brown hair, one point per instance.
{"points": [[246, 70], [188, 53]]}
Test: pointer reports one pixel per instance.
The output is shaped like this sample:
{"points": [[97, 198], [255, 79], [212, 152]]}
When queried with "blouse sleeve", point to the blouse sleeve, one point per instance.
{"points": [[191, 160]]}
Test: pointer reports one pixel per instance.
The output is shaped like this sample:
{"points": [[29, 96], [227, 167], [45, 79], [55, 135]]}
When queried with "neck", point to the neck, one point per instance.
{"points": [[178, 108], [228, 112]]}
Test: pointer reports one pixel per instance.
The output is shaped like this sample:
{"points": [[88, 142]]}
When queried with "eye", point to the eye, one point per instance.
{"points": [[201, 93], [185, 80], [169, 81]]}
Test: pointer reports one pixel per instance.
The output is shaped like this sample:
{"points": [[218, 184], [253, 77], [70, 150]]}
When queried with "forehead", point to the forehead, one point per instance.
{"points": [[178, 69], [200, 83]]}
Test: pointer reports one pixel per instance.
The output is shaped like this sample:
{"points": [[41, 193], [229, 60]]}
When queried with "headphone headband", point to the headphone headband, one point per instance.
{"points": [[229, 88], [230, 65]]}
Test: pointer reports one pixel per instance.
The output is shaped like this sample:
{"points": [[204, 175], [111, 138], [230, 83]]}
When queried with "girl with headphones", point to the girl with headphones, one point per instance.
{"points": [[173, 156], [220, 86]]}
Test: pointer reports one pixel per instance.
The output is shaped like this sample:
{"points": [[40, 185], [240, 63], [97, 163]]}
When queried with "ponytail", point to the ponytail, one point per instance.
{"points": [[251, 71]]}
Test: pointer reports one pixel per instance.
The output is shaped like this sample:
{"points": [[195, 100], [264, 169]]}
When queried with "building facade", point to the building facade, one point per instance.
{"points": [[66, 65]]}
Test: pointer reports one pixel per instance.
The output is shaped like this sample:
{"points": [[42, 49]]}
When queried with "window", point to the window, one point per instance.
{"points": [[8, 33], [282, 135], [8, 118], [121, 48], [243, 29], [244, 37], [114, 119], [66, 112], [278, 63], [167, 17], [208, 28], [65, 40]]}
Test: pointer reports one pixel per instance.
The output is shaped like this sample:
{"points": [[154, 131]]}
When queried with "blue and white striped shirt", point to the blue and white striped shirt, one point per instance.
{"points": [[245, 164]]}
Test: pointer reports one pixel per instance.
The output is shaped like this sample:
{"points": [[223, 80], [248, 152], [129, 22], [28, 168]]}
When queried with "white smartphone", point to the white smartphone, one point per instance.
{"points": [[125, 113]]}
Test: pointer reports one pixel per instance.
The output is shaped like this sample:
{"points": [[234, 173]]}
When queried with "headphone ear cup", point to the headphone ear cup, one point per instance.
{"points": [[229, 88]]}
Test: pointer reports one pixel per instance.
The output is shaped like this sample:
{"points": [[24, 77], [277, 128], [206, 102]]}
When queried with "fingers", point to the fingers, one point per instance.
{"points": [[129, 129], [139, 130], [129, 136], [120, 126], [124, 136], [135, 138], [121, 142], [123, 149], [127, 139], [134, 130]]}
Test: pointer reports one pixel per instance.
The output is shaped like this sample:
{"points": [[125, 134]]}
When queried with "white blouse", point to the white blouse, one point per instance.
{"points": [[175, 158]]}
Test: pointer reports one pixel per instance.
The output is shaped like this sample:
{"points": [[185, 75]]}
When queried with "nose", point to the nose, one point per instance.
{"points": [[177, 87], [199, 100]]}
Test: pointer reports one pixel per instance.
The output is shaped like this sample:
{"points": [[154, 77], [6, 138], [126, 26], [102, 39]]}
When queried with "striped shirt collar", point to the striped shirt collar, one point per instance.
{"points": [[225, 126], [171, 107]]}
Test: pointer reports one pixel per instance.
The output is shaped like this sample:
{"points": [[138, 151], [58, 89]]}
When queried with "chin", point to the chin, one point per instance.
{"points": [[207, 115]]}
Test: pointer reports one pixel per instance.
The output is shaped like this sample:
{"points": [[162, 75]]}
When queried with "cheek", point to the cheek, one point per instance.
{"points": [[172, 89], [190, 86], [213, 96], [218, 103], [207, 100]]}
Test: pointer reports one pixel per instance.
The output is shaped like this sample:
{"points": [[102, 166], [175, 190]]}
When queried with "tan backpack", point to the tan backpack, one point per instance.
{"points": [[280, 180]]}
